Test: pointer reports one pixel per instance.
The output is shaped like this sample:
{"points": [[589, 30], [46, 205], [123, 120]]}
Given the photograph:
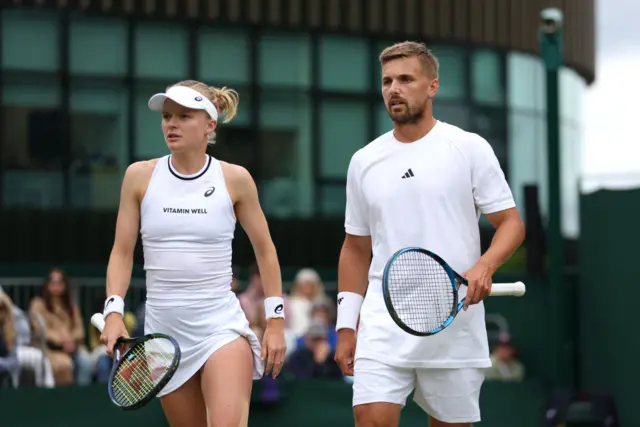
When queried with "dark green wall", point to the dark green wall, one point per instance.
{"points": [[609, 292], [309, 404]]}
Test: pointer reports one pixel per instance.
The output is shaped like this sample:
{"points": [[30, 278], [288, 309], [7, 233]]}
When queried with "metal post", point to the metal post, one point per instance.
{"points": [[551, 40]]}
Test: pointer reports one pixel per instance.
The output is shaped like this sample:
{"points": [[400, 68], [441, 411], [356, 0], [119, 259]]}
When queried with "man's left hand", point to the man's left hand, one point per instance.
{"points": [[478, 283]]}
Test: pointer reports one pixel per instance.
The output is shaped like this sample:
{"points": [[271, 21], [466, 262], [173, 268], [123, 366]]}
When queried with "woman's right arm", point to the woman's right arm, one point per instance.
{"points": [[121, 259]]}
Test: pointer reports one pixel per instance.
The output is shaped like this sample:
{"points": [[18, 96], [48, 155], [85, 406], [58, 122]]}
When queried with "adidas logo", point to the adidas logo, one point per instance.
{"points": [[408, 174]]}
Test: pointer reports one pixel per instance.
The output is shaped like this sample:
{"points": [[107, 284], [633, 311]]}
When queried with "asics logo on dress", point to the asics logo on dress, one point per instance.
{"points": [[209, 191]]}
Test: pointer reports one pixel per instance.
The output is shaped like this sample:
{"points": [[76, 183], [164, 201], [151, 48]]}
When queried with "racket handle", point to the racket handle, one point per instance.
{"points": [[97, 320], [516, 289]]}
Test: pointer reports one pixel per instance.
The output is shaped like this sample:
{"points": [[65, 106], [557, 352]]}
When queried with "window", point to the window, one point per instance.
{"points": [[343, 64], [98, 46], [333, 200], [527, 156], [32, 142], [161, 51], [30, 40], [570, 143], [223, 56], [285, 60], [286, 172], [454, 114], [487, 79], [384, 123], [99, 149], [344, 129], [526, 82], [572, 90], [452, 72], [149, 141]]}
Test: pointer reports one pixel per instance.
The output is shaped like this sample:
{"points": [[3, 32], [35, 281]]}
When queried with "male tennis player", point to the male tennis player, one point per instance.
{"points": [[422, 184], [187, 204]]}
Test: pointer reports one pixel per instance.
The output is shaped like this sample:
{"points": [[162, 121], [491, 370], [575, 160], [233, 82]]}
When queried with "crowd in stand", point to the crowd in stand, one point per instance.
{"points": [[49, 345]]}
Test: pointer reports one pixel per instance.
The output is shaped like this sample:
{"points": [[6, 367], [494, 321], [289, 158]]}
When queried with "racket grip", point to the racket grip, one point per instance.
{"points": [[516, 289], [97, 320]]}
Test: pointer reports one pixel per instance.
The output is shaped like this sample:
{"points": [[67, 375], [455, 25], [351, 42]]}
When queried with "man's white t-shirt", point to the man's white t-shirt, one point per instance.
{"points": [[428, 193]]}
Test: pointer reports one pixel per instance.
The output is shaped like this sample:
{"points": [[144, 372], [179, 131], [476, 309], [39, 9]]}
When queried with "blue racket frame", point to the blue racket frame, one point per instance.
{"points": [[454, 277]]}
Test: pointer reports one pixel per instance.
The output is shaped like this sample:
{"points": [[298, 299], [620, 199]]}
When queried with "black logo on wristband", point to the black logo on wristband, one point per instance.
{"points": [[279, 309], [109, 301], [340, 300]]}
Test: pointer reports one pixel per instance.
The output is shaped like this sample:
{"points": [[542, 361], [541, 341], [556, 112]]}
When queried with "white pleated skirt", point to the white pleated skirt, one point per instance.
{"points": [[200, 329]]}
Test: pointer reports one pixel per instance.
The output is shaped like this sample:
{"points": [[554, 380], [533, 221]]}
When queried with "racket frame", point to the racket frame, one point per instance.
{"points": [[498, 289], [98, 322], [117, 361], [387, 295]]}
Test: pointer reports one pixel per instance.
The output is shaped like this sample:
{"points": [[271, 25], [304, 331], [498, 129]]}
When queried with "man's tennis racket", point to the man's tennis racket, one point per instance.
{"points": [[420, 291], [142, 369]]}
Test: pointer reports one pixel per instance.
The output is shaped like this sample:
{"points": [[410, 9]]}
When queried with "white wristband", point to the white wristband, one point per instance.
{"points": [[274, 307], [349, 304], [113, 304]]}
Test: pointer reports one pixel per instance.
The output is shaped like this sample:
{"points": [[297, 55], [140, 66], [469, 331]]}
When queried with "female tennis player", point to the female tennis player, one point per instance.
{"points": [[185, 206]]}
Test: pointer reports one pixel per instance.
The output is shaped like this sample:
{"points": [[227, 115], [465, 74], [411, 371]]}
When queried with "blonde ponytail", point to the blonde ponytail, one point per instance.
{"points": [[226, 101]]}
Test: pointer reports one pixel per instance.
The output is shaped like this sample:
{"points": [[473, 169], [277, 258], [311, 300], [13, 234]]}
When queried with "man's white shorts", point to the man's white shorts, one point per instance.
{"points": [[448, 395]]}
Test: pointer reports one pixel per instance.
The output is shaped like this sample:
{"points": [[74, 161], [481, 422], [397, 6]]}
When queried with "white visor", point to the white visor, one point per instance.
{"points": [[186, 97]]}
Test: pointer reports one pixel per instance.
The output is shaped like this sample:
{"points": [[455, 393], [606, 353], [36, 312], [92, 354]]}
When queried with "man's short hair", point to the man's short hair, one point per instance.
{"points": [[408, 49]]}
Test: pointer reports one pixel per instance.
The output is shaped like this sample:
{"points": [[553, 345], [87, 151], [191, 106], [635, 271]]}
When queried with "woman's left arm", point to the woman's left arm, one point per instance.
{"points": [[251, 217]]}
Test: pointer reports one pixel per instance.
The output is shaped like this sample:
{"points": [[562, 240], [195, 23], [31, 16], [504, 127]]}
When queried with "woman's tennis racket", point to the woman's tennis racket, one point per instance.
{"points": [[421, 291], [142, 369]]}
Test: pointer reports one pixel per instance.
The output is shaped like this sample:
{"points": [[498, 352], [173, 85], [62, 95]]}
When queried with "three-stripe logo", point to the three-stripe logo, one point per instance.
{"points": [[408, 174]]}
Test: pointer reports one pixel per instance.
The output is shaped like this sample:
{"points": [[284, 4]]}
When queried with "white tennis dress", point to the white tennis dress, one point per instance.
{"points": [[187, 227]]}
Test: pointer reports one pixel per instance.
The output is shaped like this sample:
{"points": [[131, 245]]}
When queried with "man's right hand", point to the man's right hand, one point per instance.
{"points": [[114, 328], [346, 350]]}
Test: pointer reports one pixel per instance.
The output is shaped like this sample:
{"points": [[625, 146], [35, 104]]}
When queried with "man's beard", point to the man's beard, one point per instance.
{"points": [[410, 117]]}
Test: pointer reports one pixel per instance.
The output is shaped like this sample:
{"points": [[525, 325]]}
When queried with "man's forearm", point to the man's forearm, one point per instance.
{"points": [[353, 271], [507, 239]]}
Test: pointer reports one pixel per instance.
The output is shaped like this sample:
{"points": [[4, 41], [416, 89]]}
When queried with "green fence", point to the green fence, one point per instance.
{"points": [[304, 403], [609, 292]]}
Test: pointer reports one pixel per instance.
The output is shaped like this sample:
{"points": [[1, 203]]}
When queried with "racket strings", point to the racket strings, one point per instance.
{"points": [[421, 292], [141, 370]]}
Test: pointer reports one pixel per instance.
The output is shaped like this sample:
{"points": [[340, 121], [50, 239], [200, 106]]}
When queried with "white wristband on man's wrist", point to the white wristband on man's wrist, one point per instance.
{"points": [[349, 304], [274, 307], [113, 304]]}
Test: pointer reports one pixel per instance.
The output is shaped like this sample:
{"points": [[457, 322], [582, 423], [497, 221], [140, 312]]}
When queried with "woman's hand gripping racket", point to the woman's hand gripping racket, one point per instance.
{"points": [[420, 291], [141, 367]]}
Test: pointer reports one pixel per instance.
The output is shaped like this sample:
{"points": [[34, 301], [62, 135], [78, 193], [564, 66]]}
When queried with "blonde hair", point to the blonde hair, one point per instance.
{"points": [[8, 327], [409, 49], [225, 99], [312, 276]]}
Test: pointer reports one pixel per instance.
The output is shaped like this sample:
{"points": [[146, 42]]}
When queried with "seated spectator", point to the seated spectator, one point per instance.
{"points": [[315, 358], [322, 313], [9, 365], [31, 358], [64, 331], [505, 366], [307, 287]]}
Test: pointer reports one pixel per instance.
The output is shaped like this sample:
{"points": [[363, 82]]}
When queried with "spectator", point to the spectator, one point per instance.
{"points": [[315, 358], [30, 358], [9, 365], [307, 288], [322, 313], [505, 365], [64, 331]]}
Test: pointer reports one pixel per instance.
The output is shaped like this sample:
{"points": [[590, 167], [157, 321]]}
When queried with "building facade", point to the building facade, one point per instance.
{"points": [[76, 77]]}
